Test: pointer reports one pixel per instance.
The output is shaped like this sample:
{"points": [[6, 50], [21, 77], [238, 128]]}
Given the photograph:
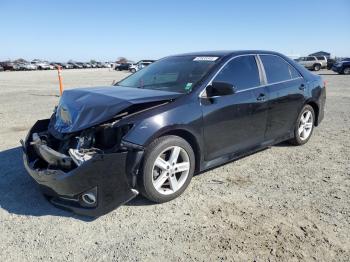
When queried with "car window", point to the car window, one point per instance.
{"points": [[310, 59], [277, 69], [293, 72], [175, 74], [242, 72], [321, 58]]}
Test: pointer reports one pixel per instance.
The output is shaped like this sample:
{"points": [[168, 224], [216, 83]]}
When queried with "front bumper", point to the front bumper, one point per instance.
{"points": [[108, 176]]}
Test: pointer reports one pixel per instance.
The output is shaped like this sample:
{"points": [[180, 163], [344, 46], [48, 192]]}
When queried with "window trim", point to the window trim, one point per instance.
{"points": [[202, 95], [262, 74], [273, 83]]}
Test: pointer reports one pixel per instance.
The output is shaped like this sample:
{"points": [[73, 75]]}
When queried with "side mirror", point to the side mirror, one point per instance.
{"points": [[220, 89]]}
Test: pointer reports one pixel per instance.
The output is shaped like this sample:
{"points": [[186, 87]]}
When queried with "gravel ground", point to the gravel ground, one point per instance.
{"points": [[282, 204]]}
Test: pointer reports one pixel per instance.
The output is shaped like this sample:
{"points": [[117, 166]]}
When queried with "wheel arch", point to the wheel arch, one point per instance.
{"points": [[316, 109], [191, 139]]}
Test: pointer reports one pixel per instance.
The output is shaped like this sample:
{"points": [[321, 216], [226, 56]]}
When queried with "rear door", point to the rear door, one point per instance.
{"points": [[286, 89], [237, 122]]}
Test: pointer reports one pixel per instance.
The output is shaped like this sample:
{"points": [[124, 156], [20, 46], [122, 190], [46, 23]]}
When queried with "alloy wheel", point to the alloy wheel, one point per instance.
{"points": [[305, 125], [170, 170], [347, 71]]}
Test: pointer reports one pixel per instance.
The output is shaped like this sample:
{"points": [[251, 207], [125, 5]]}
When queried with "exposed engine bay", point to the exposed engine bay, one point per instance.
{"points": [[73, 149]]}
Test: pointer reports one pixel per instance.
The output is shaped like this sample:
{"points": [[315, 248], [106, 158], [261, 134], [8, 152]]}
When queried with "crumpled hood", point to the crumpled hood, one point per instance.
{"points": [[82, 108]]}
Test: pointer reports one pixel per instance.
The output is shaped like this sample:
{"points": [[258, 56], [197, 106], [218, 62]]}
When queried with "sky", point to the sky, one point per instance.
{"points": [[105, 29]]}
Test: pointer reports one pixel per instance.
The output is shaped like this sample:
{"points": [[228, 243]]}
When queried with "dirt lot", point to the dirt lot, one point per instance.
{"points": [[284, 203]]}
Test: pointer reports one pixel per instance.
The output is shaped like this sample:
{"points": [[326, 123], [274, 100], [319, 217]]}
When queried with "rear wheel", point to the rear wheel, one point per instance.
{"points": [[346, 71], [304, 126], [167, 169], [317, 67], [133, 70]]}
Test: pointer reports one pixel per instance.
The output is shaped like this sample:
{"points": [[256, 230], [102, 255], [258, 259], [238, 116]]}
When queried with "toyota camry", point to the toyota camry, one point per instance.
{"points": [[152, 131]]}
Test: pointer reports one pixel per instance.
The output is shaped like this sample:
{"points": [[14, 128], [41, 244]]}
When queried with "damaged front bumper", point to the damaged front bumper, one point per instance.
{"points": [[94, 188]]}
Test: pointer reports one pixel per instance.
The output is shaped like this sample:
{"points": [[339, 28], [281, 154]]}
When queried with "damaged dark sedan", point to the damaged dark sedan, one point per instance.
{"points": [[152, 131]]}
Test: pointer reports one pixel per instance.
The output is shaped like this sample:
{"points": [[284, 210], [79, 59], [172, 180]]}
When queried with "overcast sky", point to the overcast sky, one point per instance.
{"points": [[104, 30]]}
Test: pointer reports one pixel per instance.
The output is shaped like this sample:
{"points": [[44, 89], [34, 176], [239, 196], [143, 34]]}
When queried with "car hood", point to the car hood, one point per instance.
{"points": [[82, 108]]}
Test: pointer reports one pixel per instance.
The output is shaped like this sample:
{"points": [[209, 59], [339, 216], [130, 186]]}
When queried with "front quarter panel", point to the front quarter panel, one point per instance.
{"points": [[182, 114]]}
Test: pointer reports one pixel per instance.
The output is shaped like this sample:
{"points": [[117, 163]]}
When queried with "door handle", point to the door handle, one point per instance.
{"points": [[302, 87], [261, 97]]}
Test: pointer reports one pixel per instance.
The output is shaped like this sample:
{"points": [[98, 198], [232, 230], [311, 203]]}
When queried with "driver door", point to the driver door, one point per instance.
{"points": [[235, 123]]}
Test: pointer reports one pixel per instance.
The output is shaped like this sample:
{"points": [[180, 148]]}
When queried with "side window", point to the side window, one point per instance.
{"points": [[311, 58], [293, 72], [321, 58], [242, 72], [277, 69]]}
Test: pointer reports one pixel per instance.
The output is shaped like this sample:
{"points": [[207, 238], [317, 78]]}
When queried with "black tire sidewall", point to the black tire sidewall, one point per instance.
{"points": [[151, 153]]}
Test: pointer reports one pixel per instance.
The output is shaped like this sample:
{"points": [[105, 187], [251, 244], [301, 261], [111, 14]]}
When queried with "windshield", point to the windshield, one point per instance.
{"points": [[175, 74]]}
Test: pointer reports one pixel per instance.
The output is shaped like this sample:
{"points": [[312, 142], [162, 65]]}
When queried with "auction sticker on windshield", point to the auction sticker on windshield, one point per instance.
{"points": [[206, 58]]}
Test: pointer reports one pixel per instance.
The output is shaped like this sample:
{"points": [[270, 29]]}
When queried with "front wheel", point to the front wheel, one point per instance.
{"points": [[346, 71], [304, 126], [167, 169]]}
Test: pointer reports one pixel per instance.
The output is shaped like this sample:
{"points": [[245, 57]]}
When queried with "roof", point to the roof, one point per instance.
{"points": [[223, 53], [320, 53]]}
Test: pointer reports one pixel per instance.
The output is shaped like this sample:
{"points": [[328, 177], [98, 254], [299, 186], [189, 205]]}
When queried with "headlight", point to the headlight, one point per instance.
{"points": [[64, 115]]}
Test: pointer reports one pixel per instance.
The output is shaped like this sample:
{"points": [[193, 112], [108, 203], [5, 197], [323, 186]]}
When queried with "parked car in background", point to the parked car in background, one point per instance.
{"points": [[139, 65], [179, 116], [27, 66], [42, 65], [66, 65], [55, 65], [106, 65], [342, 67], [83, 65], [310, 62], [99, 65], [323, 60], [122, 66], [8, 65], [75, 65]]}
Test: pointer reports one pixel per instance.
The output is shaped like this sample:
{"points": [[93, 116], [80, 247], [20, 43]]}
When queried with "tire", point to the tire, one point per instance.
{"points": [[346, 71], [317, 67], [152, 175], [304, 125], [133, 70]]}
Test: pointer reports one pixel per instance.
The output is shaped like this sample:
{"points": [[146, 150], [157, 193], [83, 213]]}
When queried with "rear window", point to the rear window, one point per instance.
{"points": [[277, 69]]}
